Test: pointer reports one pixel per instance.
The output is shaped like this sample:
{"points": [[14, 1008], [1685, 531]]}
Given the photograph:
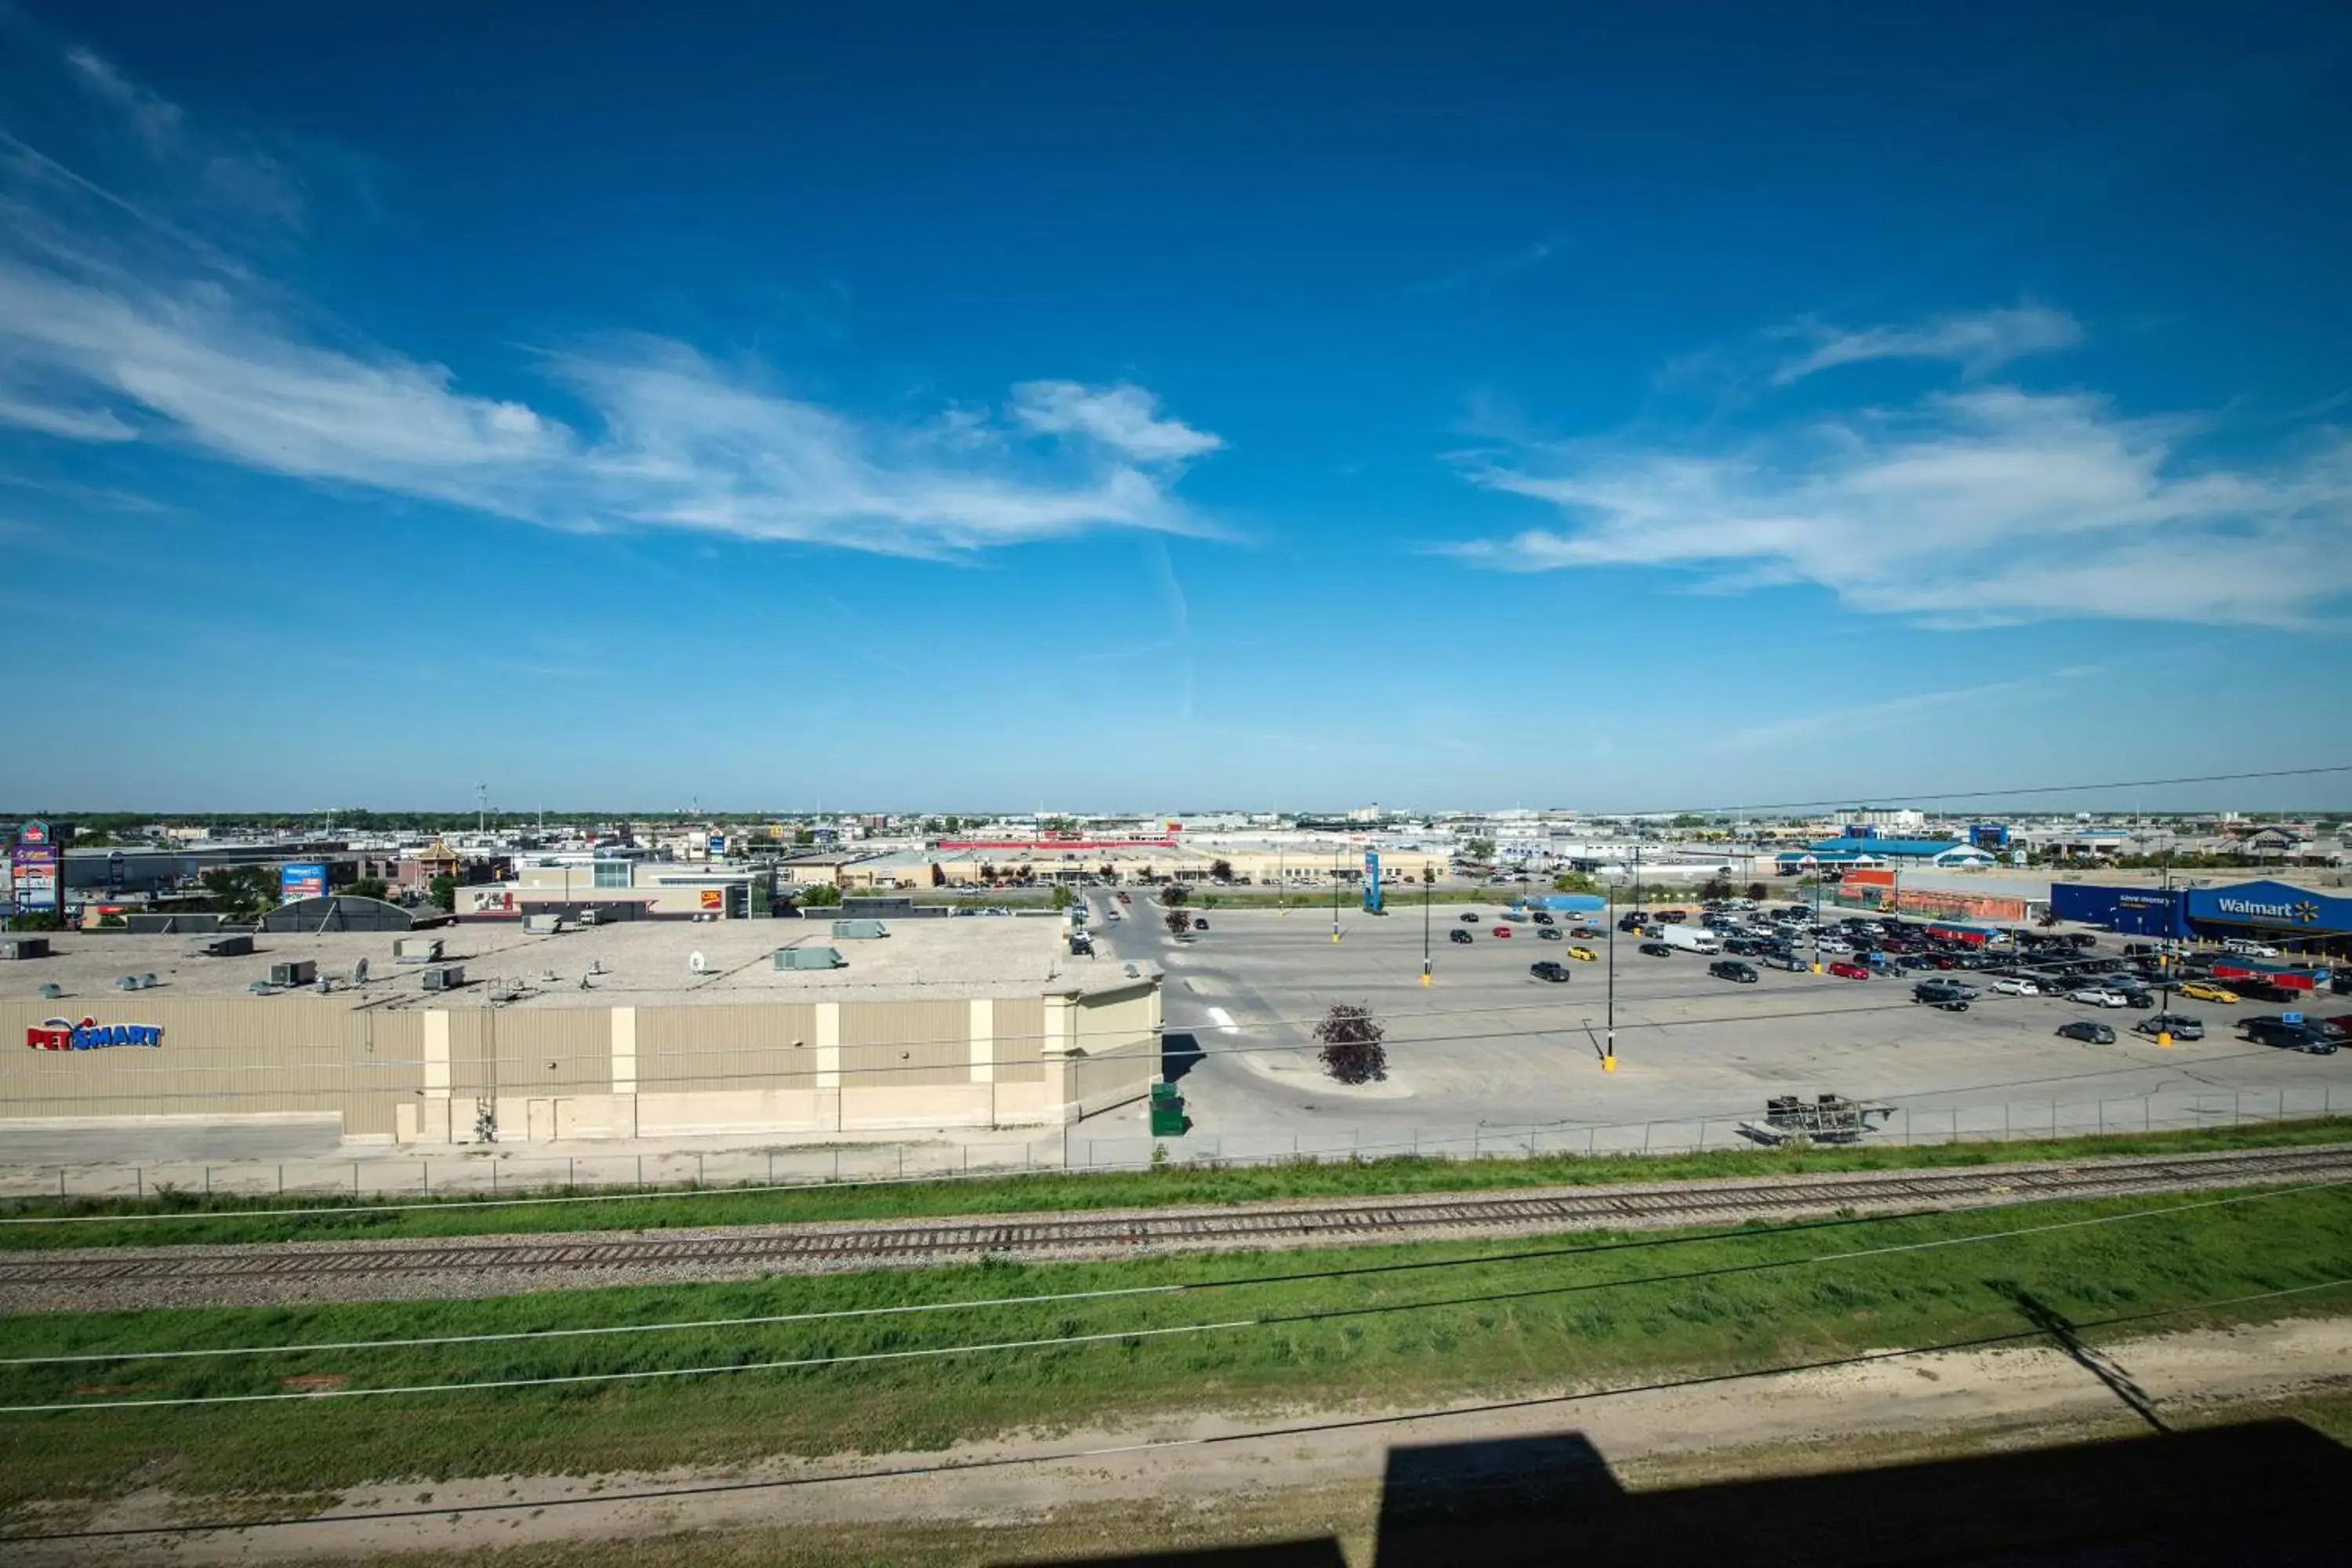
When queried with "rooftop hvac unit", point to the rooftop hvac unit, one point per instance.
{"points": [[294, 972], [237, 946], [51, 991], [262, 988], [23, 947], [542, 925], [445, 977], [858, 929], [809, 958], [416, 949]]}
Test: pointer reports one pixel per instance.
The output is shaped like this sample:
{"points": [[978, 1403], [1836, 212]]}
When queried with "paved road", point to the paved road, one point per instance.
{"points": [[1490, 1053]]}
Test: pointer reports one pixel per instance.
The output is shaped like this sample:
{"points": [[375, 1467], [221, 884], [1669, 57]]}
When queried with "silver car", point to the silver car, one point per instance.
{"points": [[2098, 997]]}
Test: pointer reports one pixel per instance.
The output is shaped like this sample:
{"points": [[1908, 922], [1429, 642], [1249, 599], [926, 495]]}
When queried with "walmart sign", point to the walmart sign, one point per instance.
{"points": [[2272, 904]]}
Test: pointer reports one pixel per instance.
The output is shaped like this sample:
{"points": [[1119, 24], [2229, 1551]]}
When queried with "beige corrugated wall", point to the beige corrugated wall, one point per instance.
{"points": [[707, 1049], [906, 1045], [219, 1057], [1019, 1055]]}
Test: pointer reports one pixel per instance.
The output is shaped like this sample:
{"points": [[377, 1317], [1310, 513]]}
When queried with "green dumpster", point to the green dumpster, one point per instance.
{"points": [[1167, 1118]]}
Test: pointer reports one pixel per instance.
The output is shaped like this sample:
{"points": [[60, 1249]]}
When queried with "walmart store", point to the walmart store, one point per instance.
{"points": [[2290, 918]]}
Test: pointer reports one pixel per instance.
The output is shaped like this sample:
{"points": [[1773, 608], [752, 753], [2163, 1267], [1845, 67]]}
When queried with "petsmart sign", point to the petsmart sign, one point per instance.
{"points": [[90, 1035]]}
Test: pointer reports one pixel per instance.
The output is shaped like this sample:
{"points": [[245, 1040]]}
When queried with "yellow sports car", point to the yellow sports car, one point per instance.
{"points": [[1585, 953], [2206, 991]]}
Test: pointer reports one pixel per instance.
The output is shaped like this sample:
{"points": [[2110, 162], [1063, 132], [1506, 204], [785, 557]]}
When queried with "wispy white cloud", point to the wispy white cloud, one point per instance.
{"points": [[1495, 268], [1124, 418], [1896, 712], [1978, 341], [1980, 507], [119, 322]]}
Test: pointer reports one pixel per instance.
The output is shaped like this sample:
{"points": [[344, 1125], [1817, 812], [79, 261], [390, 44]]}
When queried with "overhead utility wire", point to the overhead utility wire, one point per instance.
{"points": [[935, 1353], [1297, 1430]]}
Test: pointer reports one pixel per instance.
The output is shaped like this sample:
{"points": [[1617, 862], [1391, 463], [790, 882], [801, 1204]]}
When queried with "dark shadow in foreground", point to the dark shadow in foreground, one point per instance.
{"points": [[2271, 1492]]}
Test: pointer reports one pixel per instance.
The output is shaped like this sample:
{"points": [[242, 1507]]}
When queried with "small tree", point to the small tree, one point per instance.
{"points": [[1062, 898], [1174, 895], [824, 896], [1481, 850], [1759, 891], [444, 890], [368, 888], [1221, 870], [1179, 922], [1714, 890], [1107, 872], [939, 876], [1351, 1036]]}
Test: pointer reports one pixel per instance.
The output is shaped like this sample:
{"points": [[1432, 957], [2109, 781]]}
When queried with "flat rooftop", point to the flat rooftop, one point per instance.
{"points": [[642, 963]]}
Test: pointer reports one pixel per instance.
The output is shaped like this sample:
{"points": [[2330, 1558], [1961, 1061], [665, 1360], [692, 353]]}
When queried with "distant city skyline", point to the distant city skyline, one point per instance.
{"points": [[1231, 407]]}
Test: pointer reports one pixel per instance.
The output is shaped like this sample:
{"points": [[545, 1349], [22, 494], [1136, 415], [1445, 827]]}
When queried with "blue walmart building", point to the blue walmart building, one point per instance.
{"points": [[2269, 912]]}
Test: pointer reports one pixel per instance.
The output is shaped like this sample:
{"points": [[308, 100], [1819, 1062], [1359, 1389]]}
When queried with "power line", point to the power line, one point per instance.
{"points": [[1634, 1244], [636, 1374], [1297, 1430]]}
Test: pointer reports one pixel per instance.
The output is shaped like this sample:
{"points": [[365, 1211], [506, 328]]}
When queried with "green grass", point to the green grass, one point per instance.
{"points": [[1635, 1325], [213, 1220]]}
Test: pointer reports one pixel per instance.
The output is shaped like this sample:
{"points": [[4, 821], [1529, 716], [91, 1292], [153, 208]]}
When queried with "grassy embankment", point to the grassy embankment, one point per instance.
{"points": [[214, 1220], [1480, 1326]]}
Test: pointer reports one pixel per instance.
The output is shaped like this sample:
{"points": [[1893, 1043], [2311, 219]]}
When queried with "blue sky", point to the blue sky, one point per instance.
{"points": [[1170, 408]]}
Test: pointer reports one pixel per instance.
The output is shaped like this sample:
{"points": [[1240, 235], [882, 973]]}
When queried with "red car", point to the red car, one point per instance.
{"points": [[1846, 971], [1502, 930]]}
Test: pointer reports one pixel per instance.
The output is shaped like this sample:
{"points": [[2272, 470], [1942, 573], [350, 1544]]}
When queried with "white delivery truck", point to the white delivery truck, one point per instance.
{"points": [[1690, 939]]}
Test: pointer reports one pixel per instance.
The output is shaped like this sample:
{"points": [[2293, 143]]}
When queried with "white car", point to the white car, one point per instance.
{"points": [[2245, 948], [2015, 988], [2099, 997]]}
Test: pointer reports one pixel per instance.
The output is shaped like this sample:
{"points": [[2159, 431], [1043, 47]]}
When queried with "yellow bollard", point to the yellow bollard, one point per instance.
{"points": [[2164, 1039], [1608, 1064]]}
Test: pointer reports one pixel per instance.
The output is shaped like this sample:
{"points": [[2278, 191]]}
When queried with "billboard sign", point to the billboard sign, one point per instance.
{"points": [[36, 874], [1372, 879], [301, 879], [717, 842], [714, 900]]}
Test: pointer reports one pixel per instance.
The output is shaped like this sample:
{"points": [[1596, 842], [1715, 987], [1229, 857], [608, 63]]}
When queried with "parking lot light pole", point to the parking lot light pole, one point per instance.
{"points": [[1428, 879], [1335, 897], [2164, 968], [1609, 1050]]}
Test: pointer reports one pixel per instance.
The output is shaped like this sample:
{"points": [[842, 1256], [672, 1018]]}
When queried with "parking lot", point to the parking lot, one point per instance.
{"points": [[1489, 1051]]}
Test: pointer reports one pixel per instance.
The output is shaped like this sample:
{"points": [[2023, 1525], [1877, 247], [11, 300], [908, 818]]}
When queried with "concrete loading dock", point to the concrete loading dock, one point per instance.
{"points": [[966, 1024]]}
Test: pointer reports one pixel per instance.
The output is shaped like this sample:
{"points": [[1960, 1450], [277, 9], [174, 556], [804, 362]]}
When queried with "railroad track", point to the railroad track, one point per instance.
{"points": [[495, 1265]]}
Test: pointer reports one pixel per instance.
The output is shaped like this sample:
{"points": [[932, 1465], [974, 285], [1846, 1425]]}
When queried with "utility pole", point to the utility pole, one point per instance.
{"points": [[1428, 879], [1608, 1051], [482, 815], [1335, 897]]}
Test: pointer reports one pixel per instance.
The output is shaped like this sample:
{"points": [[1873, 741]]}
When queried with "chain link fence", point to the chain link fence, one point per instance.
{"points": [[493, 1170]]}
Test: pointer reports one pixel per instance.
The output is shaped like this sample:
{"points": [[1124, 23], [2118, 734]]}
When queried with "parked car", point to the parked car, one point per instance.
{"points": [[2096, 996], [1458, 934], [2245, 948], [2016, 986], [2085, 1030], [2270, 1029], [1733, 970], [1657, 949], [1781, 959], [1584, 955], [1845, 969], [1543, 919], [1200, 924], [2180, 1026], [1502, 930], [1469, 916], [1550, 934], [1949, 995], [1549, 969], [1584, 934]]}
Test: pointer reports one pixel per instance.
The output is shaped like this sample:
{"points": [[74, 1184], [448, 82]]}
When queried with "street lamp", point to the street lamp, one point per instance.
{"points": [[1608, 1051], [1428, 879], [1335, 897]]}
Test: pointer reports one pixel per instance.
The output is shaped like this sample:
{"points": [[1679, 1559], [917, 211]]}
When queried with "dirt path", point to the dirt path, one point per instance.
{"points": [[1747, 1428]]}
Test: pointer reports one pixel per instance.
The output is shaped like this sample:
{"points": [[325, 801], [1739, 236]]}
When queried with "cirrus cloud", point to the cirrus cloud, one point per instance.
{"points": [[1986, 506]]}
